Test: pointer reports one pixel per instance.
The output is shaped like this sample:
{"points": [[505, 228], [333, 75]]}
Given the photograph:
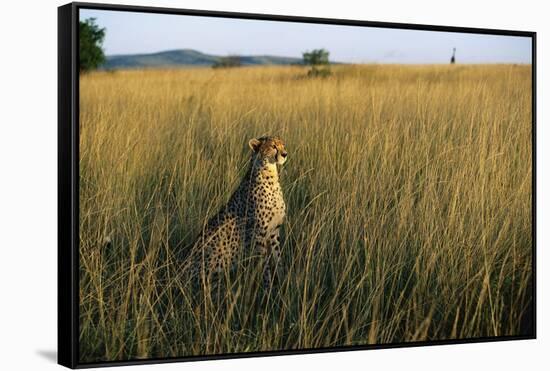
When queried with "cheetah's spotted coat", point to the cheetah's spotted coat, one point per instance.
{"points": [[251, 219]]}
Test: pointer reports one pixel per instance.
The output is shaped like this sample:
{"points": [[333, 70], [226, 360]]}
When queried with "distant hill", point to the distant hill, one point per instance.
{"points": [[187, 57]]}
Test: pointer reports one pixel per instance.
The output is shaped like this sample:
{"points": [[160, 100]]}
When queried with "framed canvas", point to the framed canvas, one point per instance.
{"points": [[236, 185]]}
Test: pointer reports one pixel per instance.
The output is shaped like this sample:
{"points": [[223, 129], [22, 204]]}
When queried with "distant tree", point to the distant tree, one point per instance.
{"points": [[228, 62], [91, 42], [317, 59]]}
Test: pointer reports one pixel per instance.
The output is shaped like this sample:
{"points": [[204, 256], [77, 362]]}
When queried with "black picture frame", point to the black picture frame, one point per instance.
{"points": [[68, 179]]}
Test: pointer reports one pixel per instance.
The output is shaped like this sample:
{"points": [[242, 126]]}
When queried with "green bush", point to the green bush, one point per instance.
{"points": [[91, 40]]}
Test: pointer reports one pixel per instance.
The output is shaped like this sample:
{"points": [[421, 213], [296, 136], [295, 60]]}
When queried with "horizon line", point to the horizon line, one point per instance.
{"points": [[300, 57]]}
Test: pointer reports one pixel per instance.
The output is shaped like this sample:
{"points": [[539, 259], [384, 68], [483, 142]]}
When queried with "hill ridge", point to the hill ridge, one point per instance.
{"points": [[188, 57]]}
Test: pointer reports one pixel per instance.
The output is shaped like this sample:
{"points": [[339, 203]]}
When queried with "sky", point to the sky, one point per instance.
{"points": [[131, 33]]}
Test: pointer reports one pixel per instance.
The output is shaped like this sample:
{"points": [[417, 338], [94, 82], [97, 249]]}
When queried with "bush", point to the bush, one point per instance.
{"points": [[90, 49], [228, 62], [318, 60]]}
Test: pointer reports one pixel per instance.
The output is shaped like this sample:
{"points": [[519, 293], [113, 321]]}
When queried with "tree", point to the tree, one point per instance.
{"points": [[228, 62], [91, 41], [318, 60]]}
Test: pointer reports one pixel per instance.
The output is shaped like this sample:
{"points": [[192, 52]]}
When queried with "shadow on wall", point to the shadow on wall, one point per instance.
{"points": [[50, 355]]}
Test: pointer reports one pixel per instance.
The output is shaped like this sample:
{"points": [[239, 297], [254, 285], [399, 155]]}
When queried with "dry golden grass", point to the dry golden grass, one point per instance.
{"points": [[409, 206]]}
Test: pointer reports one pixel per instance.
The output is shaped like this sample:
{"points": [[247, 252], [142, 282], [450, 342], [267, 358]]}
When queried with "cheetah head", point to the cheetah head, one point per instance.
{"points": [[270, 148]]}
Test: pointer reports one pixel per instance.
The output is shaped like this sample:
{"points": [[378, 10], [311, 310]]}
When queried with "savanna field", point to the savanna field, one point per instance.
{"points": [[408, 192]]}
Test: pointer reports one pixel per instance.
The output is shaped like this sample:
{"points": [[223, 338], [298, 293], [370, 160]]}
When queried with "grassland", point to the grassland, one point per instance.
{"points": [[409, 206]]}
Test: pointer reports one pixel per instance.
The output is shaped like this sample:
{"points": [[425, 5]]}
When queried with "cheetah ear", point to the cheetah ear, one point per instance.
{"points": [[254, 144]]}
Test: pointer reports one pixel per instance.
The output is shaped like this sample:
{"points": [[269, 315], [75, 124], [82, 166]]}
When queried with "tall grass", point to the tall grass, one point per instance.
{"points": [[408, 194]]}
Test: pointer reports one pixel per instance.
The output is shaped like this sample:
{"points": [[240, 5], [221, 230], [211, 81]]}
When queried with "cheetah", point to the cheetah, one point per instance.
{"points": [[252, 218]]}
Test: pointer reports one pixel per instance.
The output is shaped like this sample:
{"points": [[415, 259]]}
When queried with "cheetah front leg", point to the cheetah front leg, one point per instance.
{"points": [[262, 246], [275, 250], [268, 248], [271, 252], [263, 250]]}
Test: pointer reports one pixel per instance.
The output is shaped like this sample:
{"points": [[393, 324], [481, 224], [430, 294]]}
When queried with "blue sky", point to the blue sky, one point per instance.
{"points": [[130, 32]]}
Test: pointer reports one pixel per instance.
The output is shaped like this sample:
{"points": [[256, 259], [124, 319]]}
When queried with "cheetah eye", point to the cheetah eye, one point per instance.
{"points": [[274, 146]]}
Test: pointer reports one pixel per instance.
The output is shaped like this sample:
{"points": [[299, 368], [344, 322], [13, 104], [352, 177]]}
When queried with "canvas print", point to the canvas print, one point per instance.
{"points": [[258, 186]]}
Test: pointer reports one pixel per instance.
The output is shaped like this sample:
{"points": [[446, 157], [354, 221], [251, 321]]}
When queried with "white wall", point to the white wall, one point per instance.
{"points": [[28, 153]]}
